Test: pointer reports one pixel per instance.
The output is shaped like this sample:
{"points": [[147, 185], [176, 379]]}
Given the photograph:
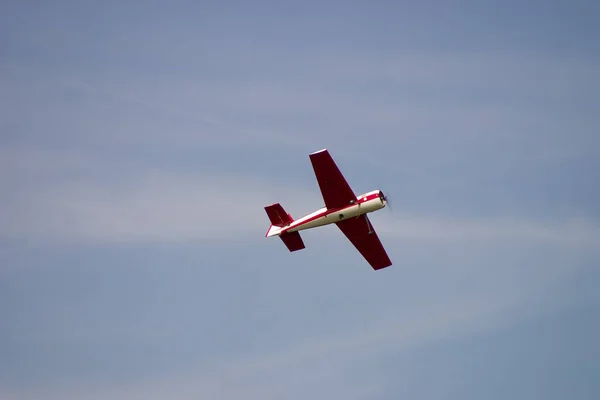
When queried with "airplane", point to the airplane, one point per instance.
{"points": [[342, 207]]}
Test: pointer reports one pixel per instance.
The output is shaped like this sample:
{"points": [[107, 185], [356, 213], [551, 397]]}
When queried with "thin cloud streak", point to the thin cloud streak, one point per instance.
{"points": [[406, 90], [151, 208], [277, 373], [575, 232], [167, 207]]}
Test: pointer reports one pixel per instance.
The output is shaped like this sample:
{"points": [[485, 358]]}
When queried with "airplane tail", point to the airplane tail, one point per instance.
{"points": [[279, 218]]}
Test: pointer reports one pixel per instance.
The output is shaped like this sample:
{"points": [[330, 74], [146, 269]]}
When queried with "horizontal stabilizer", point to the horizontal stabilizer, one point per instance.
{"points": [[277, 215], [292, 240]]}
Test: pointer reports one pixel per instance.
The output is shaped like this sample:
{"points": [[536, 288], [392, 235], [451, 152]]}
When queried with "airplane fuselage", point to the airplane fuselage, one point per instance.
{"points": [[365, 203]]}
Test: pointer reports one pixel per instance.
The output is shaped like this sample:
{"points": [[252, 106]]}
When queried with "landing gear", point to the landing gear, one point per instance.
{"points": [[368, 224]]}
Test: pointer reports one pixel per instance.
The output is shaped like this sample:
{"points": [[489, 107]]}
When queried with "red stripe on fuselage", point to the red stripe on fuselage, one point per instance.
{"points": [[360, 200]]}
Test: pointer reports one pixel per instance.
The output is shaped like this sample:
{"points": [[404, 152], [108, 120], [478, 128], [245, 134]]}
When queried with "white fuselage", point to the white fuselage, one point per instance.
{"points": [[365, 203]]}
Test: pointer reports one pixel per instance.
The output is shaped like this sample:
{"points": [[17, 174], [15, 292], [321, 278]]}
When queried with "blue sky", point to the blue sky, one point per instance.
{"points": [[139, 143]]}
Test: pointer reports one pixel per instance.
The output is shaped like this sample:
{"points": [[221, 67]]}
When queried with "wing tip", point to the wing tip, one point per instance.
{"points": [[319, 151], [378, 267]]}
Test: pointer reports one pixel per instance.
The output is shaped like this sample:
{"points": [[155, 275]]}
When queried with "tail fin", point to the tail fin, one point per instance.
{"points": [[279, 218], [277, 215]]}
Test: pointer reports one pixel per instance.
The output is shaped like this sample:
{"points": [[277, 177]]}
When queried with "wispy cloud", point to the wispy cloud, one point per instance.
{"points": [[576, 232], [316, 364], [172, 207], [148, 208], [442, 96]]}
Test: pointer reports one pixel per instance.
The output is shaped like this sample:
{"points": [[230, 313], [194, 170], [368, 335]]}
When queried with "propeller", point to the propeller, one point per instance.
{"points": [[386, 199]]}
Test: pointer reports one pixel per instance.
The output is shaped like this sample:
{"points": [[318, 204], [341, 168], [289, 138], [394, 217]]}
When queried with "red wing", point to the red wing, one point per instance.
{"points": [[334, 188], [368, 244]]}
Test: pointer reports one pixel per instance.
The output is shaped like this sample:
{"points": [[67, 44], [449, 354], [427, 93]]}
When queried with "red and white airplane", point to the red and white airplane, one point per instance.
{"points": [[342, 207]]}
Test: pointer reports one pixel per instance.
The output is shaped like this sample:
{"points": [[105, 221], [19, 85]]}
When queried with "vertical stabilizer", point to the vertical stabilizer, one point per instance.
{"points": [[278, 216]]}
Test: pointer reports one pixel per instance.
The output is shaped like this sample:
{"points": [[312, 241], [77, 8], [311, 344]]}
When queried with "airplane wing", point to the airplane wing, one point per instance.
{"points": [[334, 188], [362, 235]]}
